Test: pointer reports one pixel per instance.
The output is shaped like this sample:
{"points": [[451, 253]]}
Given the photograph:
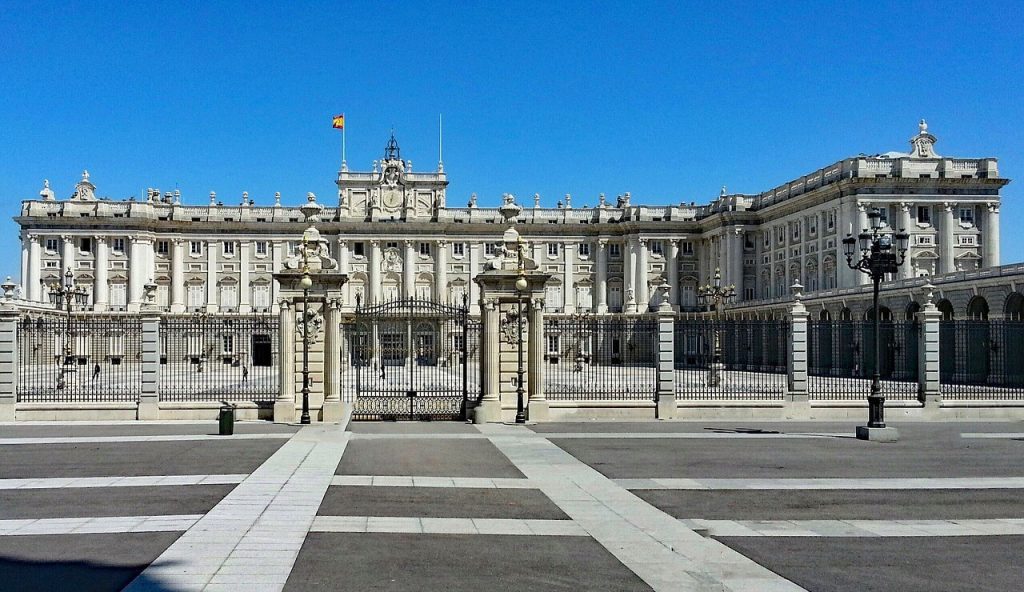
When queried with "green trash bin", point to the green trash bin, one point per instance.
{"points": [[227, 420]]}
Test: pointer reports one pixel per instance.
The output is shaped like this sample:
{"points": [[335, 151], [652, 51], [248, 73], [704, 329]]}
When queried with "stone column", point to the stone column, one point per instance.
{"points": [[276, 263], [643, 299], [134, 296], [8, 361], [628, 276], [904, 223], [284, 406], [67, 258], [672, 262], [990, 236], [947, 261], [474, 288], [244, 288], [797, 400], [736, 262], [24, 265], [601, 298], [703, 253], [177, 275], [149, 398], [929, 390], [343, 267], [333, 409], [568, 283], [666, 395], [409, 270], [101, 289], [373, 290], [538, 409], [211, 276], [489, 408], [34, 290], [441, 273]]}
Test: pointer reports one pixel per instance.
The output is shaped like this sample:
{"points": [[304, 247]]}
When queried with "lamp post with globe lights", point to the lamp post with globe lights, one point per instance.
{"points": [[305, 283], [66, 295], [713, 295], [521, 286], [880, 253]]}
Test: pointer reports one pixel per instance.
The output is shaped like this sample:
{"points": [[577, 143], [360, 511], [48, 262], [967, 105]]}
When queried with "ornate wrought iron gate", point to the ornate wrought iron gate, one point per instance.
{"points": [[414, 359]]}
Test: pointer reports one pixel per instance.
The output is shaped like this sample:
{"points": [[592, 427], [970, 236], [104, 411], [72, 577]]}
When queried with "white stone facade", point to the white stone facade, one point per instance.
{"points": [[394, 234]]}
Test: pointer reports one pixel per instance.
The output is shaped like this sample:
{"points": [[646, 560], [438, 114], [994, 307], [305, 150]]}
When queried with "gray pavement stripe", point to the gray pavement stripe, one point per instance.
{"points": [[105, 524], [154, 438], [410, 525], [686, 436], [824, 484], [857, 528], [1008, 435], [613, 435], [143, 481], [252, 537], [457, 482], [659, 549]]}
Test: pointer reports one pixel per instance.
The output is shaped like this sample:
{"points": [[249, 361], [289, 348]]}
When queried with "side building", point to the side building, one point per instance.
{"points": [[395, 236]]}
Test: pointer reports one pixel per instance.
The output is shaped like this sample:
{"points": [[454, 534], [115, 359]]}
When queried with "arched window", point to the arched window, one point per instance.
{"points": [[1014, 307], [977, 308]]}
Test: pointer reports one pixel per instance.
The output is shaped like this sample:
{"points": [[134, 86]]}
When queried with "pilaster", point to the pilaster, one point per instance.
{"points": [[8, 361], [797, 400], [333, 406], [149, 399], [284, 406], [666, 395], [538, 409], [929, 388]]}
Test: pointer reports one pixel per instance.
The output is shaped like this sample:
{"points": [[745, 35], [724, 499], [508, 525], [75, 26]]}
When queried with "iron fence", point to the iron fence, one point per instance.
{"points": [[218, 357], [981, 359], [81, 358], [742, 360], [411, 359], [841, 359], [607, 357]]}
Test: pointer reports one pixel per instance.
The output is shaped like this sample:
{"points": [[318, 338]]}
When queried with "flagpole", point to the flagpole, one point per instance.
{"points": [[344, 165]]}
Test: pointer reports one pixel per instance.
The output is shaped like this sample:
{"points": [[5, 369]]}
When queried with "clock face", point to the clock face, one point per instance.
{"points": [[391, 198]]}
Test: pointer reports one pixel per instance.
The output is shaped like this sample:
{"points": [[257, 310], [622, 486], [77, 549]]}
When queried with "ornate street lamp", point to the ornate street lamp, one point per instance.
{"points": [[878, 256], [521, 285], [66, 295], [305, 283], [712, 295]]}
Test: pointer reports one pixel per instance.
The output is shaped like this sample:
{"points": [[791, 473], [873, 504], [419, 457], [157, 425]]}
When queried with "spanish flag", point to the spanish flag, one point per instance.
{"points": [[339, 121]]}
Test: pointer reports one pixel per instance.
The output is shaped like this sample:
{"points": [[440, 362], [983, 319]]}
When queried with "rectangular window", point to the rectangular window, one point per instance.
{"points": [[884, 213], [261, 296], [86, 245], [261, 248], [195, 247], [584, 249], [229, 248], [227, 344], [51, 245], [967, 215], [162, 295], [425, 249], [767, 240], [687, 247], [116, 344], [118, 294], [966, 239], [196, 295], [489, 249], [391, 245], [552, 249], [658, 248], [924, 215], [830, 220], [228, 296], [615, 250], [118, 245], [553, 345], [163, 247], [458, 249], [748, 293], [359, 249], [796, 230], [53, 264]]}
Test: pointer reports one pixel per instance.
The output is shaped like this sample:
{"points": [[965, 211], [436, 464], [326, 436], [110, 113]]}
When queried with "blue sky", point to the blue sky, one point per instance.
{"points": [[669, 101]]}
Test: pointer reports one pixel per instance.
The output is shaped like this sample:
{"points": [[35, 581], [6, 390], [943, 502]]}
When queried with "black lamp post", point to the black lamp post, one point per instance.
{"points": [[521, 285], [66, 295], [712, 295], [878, 256], [305, 283]]}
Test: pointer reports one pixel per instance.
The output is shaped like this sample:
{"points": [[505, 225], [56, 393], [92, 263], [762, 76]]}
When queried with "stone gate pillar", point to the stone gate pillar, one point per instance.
{"points": [[310, 290], [509, 282]]}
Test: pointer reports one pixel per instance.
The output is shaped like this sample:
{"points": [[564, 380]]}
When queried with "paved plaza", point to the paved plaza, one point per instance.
{"points": [[616, 506]]}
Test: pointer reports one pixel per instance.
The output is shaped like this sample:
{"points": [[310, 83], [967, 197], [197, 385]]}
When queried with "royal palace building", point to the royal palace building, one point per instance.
{"points": [[395, 234]]}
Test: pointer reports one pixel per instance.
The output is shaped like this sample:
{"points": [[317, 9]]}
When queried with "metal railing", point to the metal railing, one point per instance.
{"points": [[81, 358], [218, 357], [981, 359], [841, 359], [750, 363], [600, 358]]}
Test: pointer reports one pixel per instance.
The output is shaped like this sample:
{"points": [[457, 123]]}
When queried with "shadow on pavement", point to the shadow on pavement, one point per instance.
{"points": [[24, 575]]}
